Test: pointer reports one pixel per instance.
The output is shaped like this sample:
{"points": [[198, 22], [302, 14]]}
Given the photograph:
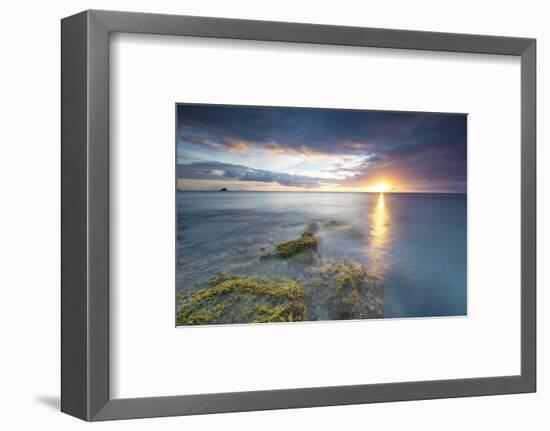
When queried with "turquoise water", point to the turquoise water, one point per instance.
{"points": [[416, 242]]}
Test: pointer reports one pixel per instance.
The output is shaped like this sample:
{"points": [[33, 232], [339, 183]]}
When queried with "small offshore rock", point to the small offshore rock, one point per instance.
{"points": [[335, 223]]}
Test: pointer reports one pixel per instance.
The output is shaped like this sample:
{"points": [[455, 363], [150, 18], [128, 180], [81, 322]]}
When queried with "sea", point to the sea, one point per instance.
{"points": [[415, 242]]}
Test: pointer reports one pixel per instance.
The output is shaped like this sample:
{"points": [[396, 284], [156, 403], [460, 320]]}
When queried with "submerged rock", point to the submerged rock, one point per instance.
{"points": [[308, 242], [313, 227], [341, 227], [232, 299], [335, 223], [344, 289]]}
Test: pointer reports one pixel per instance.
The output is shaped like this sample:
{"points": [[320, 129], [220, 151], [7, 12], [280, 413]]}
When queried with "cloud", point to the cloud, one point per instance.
{"points": [[216, 170], [426, 148]]}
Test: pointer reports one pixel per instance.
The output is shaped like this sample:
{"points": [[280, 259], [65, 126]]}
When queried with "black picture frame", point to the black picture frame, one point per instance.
{"points": [[85, 214]]}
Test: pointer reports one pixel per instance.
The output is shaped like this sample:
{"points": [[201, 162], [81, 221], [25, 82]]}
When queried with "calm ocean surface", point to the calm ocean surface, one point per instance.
{"points": [[415, 242]]}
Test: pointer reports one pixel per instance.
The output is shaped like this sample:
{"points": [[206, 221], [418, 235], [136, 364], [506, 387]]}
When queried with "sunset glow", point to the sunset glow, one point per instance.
{"points": [[381, 188]]}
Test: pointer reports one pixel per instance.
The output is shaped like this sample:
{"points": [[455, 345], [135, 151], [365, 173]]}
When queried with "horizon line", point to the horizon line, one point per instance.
{"points": [[318, 191]]}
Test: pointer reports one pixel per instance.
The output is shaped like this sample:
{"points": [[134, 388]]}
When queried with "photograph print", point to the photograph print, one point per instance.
{"points": [[305, 214]]}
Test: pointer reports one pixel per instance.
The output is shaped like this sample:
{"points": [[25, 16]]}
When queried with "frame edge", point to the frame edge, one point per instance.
{"points": [[84, 216], [529, 217], [74, 348], [280, 31]]}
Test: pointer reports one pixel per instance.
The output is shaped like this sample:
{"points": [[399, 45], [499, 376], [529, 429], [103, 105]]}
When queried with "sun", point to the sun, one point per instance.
{"points": [[381, 188]]}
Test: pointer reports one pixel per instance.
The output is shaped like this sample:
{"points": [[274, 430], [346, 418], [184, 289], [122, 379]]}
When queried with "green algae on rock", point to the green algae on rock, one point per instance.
{"points": [[344, 289], [307, 242], [232, 299]]}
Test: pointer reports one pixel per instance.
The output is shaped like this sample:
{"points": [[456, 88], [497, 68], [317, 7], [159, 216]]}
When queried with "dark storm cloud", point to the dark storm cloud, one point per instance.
{"points": [[217, 171], [426, 148]]}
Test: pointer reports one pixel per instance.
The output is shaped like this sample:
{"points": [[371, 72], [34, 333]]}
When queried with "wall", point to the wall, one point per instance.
{"points": [[29, 231]]}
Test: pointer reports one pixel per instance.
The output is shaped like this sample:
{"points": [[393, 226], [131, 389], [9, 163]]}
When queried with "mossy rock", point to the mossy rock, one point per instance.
{"points": [[308, 242], [344, 289], [232, 299]]}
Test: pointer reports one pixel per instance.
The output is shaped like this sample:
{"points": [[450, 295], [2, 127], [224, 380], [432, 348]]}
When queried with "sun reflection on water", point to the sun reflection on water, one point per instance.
{"points": [[379, 222], [379, 236]]}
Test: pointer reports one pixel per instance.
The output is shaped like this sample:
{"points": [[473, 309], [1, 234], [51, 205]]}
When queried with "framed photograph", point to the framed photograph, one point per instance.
{"points": [[264, 215], [302, 214]]}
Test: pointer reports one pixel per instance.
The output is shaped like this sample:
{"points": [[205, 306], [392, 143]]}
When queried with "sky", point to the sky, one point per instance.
{"points": [[304, 149]]}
